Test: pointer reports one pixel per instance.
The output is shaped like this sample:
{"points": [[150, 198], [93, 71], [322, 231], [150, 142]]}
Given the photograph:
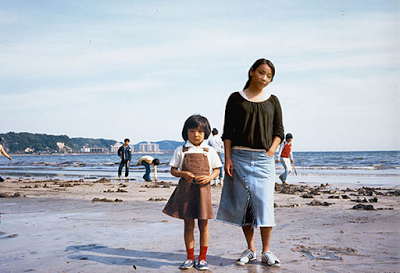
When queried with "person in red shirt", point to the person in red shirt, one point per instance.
{"points": [[286, 155]]}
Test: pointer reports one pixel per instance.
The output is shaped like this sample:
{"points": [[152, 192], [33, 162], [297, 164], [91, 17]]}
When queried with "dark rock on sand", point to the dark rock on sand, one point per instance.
{"points": [[157, 199], [307, 195], [96, 199], [364, 207], [318, 203], [4, 195]]}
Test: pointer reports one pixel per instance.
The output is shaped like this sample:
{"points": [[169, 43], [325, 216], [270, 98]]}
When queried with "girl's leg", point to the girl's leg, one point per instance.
{"points": [[204, 239], [249, 234], [189, 238], [266, 237]]}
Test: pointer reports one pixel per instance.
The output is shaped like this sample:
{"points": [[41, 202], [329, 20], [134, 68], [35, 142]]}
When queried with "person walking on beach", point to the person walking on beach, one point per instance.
{"points": [[196, 163], [216, 142], [3, 152], [253, 130], [124, 153], [146, 161], [286, 155]]}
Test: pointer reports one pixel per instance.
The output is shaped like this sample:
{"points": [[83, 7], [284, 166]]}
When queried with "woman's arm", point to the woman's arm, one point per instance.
{"points": [[274, 146], [228, 160]]}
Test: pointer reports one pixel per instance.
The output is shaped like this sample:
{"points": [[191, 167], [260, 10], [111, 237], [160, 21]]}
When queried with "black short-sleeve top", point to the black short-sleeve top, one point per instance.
{"points": [[252, 124]]}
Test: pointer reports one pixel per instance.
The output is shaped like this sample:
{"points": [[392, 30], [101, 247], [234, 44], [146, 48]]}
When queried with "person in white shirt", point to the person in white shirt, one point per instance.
{"points": [[216, 142]]}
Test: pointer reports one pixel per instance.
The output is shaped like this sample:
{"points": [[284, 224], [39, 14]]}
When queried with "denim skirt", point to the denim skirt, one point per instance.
{"points": [[248, 197]]}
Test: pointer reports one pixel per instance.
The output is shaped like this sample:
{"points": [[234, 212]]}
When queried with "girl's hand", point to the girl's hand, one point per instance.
{"points": [[203, 179], [229, 167], [188, 176], [277, 161]]}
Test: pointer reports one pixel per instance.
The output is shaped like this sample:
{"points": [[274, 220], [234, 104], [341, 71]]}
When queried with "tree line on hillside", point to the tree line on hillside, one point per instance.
{"points": [[22, 143]]}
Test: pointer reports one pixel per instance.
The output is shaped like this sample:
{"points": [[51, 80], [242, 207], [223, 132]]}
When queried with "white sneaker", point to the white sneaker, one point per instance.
{"points": [[246, 257], [269, 258]]}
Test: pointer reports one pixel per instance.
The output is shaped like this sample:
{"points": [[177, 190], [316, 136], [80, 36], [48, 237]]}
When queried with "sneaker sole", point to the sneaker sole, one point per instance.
{"points": [[243, 263], [275, 265]]}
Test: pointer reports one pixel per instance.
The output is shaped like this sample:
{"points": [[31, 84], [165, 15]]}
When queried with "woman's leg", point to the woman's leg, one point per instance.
{"points": [[249, 234], [266, 237]]}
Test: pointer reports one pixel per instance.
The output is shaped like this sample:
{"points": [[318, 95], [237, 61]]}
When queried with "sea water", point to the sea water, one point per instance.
{"points": [[371, 168]]}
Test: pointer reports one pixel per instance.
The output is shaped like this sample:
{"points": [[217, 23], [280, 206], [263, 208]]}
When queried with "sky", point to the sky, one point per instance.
{"points": [[139, 69]]}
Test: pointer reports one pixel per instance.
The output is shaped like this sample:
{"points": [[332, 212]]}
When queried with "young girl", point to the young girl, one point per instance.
{"points": [[253, 130], [286, 155], [197, 164]]}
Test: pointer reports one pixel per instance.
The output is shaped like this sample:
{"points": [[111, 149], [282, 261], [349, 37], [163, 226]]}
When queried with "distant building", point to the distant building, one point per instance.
{"points": [[96, 150], [149, 147], [115, 147]]}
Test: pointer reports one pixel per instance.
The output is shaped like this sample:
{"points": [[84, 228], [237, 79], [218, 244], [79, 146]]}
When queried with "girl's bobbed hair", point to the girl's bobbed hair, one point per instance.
{"points": [[256, 65], [194, 122]]}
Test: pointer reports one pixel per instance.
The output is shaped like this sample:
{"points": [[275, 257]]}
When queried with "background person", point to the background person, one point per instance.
{"points": [[124, 153], [3, 152], [146, 161], [286, 155], [216, 142]]}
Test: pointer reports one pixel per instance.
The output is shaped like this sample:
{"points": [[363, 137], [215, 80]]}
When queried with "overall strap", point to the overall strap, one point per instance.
{"points": [[184, 149]]}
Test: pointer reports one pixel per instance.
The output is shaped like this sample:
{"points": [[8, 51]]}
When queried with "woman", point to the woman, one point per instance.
{"points": [[253, 130]]}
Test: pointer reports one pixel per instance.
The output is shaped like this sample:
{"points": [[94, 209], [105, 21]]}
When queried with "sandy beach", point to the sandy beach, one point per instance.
{"points": [[117, 225]]}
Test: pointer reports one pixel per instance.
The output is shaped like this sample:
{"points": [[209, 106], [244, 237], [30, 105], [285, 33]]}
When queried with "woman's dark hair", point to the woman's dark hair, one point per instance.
{"points": [[194, 122], [156, 161], [256, 65]]}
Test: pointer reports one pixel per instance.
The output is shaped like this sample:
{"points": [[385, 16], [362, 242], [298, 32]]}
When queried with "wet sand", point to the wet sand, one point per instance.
{"points": [[116, 225]]}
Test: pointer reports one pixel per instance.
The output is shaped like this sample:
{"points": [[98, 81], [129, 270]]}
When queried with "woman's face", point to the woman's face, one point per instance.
{"points": [[196, 136], [262, 76]]}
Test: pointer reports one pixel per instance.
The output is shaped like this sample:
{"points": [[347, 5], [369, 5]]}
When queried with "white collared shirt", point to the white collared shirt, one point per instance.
{"points": [[213, 159]]}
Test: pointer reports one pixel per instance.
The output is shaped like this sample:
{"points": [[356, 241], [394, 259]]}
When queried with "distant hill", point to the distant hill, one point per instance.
{"points": [[42, 143], [22, 143]]}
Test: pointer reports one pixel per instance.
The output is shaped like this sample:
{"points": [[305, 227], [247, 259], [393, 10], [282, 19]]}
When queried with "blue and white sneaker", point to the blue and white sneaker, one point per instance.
{"points": [[202, 265], [187, 264]]}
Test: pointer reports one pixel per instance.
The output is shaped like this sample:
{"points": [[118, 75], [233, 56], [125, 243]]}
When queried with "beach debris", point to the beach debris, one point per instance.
{"points": [[307, 195], [15, 195], [385, 209], [394, 193], [102, 180], [364, 207], [157, 199], [318, 203], [335, 197], [325, 252], [134, 267], [96, 199]]}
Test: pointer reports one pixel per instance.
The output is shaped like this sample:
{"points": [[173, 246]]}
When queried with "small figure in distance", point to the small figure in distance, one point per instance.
{"points": [[216, 142], [124, 152], [146, 161], [3, 152], [286, 155]]}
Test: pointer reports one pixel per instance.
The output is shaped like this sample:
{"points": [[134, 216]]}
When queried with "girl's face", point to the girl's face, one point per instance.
{"points": [[196, 136], [261, 77]]}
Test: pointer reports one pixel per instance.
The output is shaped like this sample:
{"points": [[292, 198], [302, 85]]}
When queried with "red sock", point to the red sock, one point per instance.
{"points": [[190, 253], [203, 253]]}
